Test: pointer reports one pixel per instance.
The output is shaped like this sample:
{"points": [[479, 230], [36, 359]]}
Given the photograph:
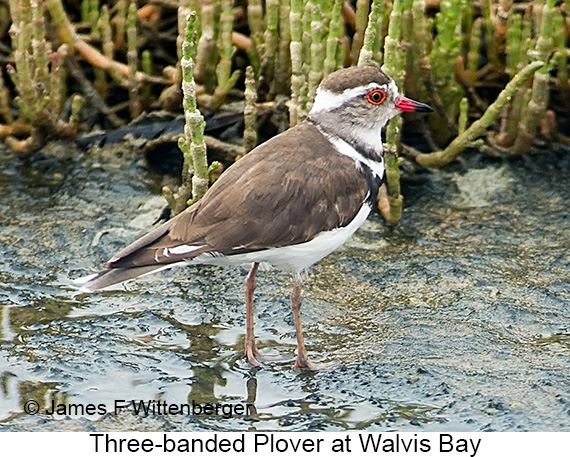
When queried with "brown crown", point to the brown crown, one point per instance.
{"points": [[351, 77]]}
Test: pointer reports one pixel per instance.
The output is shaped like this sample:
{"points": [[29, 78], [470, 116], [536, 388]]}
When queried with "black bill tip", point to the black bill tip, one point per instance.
{"points": [[407, 104]]}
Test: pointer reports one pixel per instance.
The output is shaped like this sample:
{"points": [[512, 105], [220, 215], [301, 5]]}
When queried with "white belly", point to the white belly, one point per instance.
{"points": [[297, 257]]}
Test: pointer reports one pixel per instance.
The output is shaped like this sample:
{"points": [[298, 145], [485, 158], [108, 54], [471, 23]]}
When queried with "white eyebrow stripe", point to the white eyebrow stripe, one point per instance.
{"points": [[326, 100]]}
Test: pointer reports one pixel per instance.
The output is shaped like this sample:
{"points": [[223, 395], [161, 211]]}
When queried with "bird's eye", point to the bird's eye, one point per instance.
{"points": [[376, 97]]}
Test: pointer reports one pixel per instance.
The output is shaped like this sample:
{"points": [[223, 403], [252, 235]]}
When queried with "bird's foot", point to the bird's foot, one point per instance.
{"points": [[252, 354], [256, 358], [306, 363]]}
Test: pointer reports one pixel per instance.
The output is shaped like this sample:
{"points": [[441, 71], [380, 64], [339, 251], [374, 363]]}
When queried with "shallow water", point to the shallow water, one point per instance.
{"points": [[457, 319]]}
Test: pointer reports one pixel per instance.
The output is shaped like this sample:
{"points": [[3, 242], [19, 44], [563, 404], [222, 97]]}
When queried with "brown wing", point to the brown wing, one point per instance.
{"points": [[261, 201]]}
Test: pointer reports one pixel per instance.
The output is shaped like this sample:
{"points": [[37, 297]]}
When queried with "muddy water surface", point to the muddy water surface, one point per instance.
{"points": [[457, 319]]}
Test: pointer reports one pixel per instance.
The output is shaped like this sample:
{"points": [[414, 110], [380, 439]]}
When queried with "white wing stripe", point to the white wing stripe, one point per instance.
{"points": [[180, 250]]}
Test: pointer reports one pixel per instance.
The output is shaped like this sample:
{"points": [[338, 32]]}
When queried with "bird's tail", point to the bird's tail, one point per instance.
{"points": [[106, 278]]}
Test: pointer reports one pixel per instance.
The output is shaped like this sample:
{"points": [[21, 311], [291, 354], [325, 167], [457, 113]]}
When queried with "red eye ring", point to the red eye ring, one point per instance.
{"points": [[376, 96]]}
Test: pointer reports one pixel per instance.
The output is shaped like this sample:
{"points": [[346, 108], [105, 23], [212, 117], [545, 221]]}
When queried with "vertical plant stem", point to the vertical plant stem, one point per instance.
{"points": [[407, 38], [514, 44], [333, 39], [256, 23], [206, 46], [22, 76], [463, 115], [446, 50], [120, 22], [297, 75], [250, 112], [77, 104], [537, 8], [368, 51], [85, 10], [194, 126], [474, 53], [394, 59], [133, 60], [317, 52], [271, 39], [146, 66], [41, 48], [492, 53], [57, 83], [281, 82], [104, 28], [307, 33], [540, 87], [515, 52], [5, 110], [224, 68], [360, 28], [562, 58]]}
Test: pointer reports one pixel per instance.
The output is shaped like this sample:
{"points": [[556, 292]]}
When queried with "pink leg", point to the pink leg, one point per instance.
{"points": [[302, 359], [251, 350]]}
